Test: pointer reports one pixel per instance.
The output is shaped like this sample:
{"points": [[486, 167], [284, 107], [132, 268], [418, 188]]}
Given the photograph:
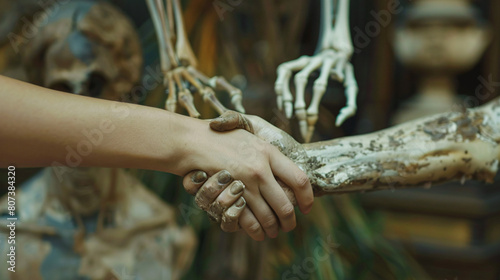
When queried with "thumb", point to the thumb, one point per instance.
{"points": [[231, 120]]}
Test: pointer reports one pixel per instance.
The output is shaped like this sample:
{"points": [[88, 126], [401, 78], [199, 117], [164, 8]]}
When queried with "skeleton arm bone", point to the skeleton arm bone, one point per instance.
{"points": [[444, 147], [332, 58]]}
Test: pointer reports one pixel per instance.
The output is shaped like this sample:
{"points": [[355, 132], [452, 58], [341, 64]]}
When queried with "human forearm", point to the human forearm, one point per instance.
{"points": [[41, 127]]}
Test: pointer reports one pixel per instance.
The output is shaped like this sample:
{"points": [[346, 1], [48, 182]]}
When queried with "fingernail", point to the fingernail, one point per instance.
{"points": [[237, 187], [224, 177], [199, 177], [240, 203]]}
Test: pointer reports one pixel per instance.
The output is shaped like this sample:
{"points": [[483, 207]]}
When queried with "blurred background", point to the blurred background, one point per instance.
{"points": [[412, 58]]}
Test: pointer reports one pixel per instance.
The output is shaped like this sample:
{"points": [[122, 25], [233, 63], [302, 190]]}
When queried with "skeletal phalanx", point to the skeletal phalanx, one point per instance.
{"points": [[333, 53], [178, 63]]}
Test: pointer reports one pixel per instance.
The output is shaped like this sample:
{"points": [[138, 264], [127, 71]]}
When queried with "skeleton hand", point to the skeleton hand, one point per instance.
{"points": [[333, 64], [220, 196], [179, 63], [176, 81], [334, 51]]}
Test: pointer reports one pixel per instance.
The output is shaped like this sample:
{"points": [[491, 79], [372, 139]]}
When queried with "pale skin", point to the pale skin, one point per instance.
{"points": [[40, 124]]}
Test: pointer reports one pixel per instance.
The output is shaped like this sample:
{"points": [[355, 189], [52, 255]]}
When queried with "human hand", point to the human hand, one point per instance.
{"points": [[258, 165]]}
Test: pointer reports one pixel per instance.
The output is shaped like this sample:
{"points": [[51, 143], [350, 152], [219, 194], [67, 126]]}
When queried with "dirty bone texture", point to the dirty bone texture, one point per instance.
{"points": [[450, 146], [444, 147]]}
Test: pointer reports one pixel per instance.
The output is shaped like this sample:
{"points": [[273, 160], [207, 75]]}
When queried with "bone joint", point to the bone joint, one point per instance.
{"points": [[333, 53], [178, 63]]}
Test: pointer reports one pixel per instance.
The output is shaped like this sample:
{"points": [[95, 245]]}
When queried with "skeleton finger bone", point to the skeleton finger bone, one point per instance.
{"points": [[300, 84], [318, 92], [186, 101], [234, 92], [183, 48], [209, 96], [185, 97], [337, 72], [219, 82], [282, 84], [351, 92], [187, 76], [171, 102], [168, 59]]}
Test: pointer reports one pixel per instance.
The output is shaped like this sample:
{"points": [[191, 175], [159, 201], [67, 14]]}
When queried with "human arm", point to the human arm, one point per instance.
{"points": [[42, 127]]}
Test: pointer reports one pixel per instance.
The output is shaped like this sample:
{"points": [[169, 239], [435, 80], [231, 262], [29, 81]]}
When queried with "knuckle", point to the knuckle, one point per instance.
{"points": [[254, 228], [269, 222], [302, 181], [257, 173], [287, 211]]}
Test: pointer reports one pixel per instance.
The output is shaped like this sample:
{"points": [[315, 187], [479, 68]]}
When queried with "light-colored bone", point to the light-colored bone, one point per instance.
{"points": [[326, 25], [282, 86], [220, 83], [334, 45], [340, 37], [430, 150], [179, 63], [184, 95], [300, 85], [234, 92], [209, 96], [319, 89], [168, 59], [183, 48], [449, 146], [171, 102], [351, 92]]}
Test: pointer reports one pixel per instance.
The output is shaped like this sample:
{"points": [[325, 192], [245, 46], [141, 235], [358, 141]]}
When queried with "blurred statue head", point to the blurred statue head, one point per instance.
{"points": [[441, 36]]}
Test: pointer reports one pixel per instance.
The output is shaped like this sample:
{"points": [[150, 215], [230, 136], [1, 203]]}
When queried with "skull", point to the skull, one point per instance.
{"points": [[85, 48]]}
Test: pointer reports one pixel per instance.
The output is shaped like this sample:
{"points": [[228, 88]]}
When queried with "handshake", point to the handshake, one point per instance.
{"points": [[261, 199]]}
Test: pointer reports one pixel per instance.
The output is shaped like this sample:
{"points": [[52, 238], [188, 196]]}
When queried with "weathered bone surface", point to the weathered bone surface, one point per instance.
{"points": [[449, 146], [444, 147], [85, 47]]}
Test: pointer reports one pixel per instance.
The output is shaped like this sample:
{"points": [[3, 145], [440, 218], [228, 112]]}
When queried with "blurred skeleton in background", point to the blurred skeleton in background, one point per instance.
{"points": [[95, 223], [333, 53], [179, 63]]}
